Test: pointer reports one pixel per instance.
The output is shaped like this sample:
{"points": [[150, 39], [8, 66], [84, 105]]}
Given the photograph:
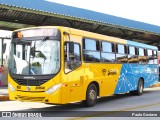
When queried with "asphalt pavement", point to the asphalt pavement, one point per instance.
{"points": [[113, 107]]}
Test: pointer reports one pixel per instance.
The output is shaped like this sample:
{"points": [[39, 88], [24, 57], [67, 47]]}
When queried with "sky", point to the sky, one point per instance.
{"points": [[140, 10]]}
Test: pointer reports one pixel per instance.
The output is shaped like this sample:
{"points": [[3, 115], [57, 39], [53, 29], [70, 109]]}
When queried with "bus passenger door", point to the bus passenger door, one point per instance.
{"points": [[73, 70]]}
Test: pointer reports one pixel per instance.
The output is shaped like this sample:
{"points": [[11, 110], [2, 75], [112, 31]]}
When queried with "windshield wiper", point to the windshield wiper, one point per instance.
{"points": [[43, 41]]}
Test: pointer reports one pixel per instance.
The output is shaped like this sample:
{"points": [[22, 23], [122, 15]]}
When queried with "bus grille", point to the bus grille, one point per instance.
{"points": [[26, 98], [30, 82]]}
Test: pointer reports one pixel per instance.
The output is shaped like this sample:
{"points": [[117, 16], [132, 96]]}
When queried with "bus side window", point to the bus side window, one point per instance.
{"points": [[132, 56], [121, 56], [72, 60], [155, 57], [141, 57], [91, 50], [107, 53], [150, 57]]}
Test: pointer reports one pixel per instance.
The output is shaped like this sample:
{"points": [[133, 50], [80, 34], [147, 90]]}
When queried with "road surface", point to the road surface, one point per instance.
{"points": [[114, 107]]}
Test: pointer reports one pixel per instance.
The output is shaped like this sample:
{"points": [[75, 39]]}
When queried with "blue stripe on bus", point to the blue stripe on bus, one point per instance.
{"points": [[131, 73], [141, 45]]}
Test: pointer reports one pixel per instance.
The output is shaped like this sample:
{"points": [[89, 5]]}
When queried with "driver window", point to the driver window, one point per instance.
{"points": [[72, 59]]}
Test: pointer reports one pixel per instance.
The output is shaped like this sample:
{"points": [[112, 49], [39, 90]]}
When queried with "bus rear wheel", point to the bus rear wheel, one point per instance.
{"points": [[91, 96], [140, 88]]}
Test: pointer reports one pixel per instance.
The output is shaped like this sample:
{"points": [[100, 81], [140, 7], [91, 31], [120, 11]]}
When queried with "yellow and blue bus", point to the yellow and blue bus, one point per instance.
{"points": [[59, 65]]}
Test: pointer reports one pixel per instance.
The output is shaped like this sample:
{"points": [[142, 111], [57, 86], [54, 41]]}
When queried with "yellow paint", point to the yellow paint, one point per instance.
{"points": [[74, 83]]}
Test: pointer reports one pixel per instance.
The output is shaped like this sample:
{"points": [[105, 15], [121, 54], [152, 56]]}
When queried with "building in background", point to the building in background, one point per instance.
{"points": [[4, 39]]}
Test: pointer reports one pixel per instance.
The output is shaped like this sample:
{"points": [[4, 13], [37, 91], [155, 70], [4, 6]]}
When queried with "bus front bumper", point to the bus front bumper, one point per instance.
{"points": [[33, 96]]}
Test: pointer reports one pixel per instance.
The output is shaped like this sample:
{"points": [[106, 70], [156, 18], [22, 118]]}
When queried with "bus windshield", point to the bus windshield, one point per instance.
{"points": [[35, 57]]}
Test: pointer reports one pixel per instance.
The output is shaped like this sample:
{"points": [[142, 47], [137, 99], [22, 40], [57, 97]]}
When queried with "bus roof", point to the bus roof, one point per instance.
{"points": [[96, 36], [141, 45], [111, 39]]}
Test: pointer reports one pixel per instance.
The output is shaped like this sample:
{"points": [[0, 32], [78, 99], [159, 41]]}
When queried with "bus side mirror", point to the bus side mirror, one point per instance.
{"points": [[71, 47], [4, 48]]}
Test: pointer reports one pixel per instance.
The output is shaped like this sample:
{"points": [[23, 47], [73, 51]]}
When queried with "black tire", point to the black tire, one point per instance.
{"points": [[140, 88], [91, 96]]}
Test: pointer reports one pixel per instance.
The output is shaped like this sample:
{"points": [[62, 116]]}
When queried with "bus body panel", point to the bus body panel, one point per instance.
{"points": [[106, 75], [131, 73]]}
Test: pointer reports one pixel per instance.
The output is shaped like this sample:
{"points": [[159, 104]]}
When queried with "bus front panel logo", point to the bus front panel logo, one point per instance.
{"points": [[28, 88]]}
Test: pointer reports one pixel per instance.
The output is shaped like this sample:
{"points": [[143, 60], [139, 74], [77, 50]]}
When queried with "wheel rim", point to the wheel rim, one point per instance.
{"points": [[141, 87], [92, 95]]}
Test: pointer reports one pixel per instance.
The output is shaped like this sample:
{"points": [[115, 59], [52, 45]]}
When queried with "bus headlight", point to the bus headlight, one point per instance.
{"points": [[11, 87], [53, 88]]}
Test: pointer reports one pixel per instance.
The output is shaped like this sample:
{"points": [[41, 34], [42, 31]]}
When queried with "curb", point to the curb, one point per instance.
{"points": [[4, 97], [156, 85]]}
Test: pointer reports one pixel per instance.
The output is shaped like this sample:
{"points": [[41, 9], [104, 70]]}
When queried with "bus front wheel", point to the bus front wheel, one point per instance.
{"points": [[140, 88], [91, 95]]}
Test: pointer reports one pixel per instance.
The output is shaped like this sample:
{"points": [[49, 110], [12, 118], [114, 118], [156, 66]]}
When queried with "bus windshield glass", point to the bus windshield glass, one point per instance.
{"points": [[35, 57]]}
